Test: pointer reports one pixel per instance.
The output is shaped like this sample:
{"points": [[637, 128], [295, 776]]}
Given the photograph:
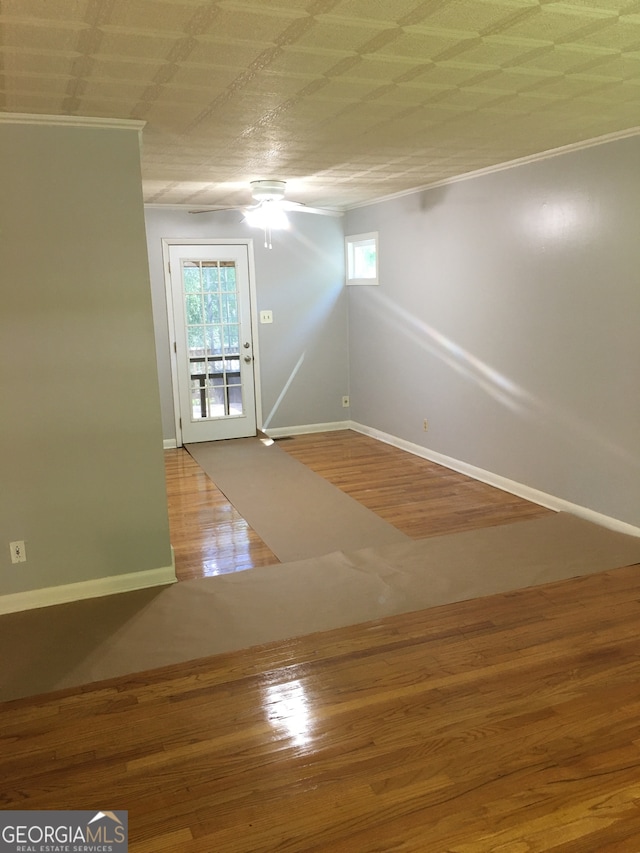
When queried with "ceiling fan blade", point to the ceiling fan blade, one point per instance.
{"points": [[214, 209], [241, 207], [300, 207], [291, 206]]}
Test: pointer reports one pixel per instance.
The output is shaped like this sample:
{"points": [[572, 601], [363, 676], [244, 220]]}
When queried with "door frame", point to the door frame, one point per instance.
{"points": [[167, 242]]}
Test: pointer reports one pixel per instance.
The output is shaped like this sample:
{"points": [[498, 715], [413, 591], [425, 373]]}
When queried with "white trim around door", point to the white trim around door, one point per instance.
{"points": [[167, 244]]}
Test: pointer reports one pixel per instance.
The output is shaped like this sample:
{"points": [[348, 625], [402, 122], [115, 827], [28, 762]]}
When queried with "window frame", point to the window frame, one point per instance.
{"points": [[351, 241]]}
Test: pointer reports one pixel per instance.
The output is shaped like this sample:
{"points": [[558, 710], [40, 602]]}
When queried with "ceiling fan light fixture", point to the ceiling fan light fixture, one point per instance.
{"points": [[268, 215], [268, 190]]}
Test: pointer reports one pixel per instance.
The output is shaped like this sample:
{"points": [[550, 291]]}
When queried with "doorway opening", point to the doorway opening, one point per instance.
{"points": [[212, 316]]}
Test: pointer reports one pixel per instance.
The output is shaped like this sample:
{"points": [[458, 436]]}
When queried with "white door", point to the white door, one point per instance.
{"points": [[213, 342]]}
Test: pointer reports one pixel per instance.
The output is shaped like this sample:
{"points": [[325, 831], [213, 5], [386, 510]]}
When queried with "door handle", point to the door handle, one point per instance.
{"points": [[248, 358]]}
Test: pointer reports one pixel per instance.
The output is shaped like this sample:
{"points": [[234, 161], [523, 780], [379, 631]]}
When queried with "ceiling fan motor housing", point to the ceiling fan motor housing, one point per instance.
{"points": [[268, 190]]}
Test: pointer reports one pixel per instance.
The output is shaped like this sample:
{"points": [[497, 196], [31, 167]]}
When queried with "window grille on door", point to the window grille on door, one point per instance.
{"points": [[213, 338]]}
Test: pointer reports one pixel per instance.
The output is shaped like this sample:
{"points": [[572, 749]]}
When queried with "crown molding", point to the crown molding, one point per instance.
{"points": [[72, 121], [509, 164]]}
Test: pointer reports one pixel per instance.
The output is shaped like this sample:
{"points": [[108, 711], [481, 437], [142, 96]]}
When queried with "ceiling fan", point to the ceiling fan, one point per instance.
{"points": [[269, 209]]}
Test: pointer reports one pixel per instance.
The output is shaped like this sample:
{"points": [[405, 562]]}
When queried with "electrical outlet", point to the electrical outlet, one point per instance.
{"points": [[345, 402], [425, 425], [18, 552]]}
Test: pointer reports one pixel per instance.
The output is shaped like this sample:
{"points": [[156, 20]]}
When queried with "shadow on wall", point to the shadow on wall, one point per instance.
{"points": [[432, 197]]}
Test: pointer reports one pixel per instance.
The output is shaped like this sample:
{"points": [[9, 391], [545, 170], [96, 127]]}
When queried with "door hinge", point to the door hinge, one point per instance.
{"points": [[175, 346], [180, 422]]}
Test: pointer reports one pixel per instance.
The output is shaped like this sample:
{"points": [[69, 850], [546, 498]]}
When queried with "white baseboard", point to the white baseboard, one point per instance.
{"points": [[305, 429], [506, 485], [283, 432], [34, 598]]}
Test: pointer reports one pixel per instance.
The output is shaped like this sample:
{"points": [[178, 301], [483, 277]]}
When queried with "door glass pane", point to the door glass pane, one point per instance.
{"points": [[210, 276], [191, 277], [235, 399], [193, 308], [216, 401], [198, 399], [211, 308], [228, 276], [195, 336], [231, 340], [213, 338]]}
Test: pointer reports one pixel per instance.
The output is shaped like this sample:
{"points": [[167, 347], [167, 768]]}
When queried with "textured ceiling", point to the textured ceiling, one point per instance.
{"points": [[346, 100]]}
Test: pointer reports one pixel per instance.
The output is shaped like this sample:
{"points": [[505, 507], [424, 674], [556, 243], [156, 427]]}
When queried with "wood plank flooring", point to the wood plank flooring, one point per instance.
{"points": [[418, 497], [208, 535], [509, 724]]}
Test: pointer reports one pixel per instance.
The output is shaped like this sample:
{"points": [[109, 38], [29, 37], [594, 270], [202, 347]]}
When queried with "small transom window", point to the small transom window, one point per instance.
{"points": [[362, 258]]}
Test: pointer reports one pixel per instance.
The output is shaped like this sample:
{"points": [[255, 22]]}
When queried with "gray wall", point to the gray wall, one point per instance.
{"points": [[301, 279], [507, 315], [80, 436]]}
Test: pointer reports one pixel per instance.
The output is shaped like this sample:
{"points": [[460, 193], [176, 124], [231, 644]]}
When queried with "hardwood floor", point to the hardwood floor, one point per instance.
{"points": [[505, 724], [508, 724], [208, 535], [418, 497]]}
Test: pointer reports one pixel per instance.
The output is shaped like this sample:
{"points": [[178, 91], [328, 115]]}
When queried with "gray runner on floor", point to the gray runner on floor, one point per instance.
{"points": [[294, 510], [86, 641]]}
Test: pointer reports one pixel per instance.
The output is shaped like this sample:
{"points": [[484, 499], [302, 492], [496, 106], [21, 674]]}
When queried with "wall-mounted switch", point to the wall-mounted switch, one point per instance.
{"points": [[18, 552]]}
